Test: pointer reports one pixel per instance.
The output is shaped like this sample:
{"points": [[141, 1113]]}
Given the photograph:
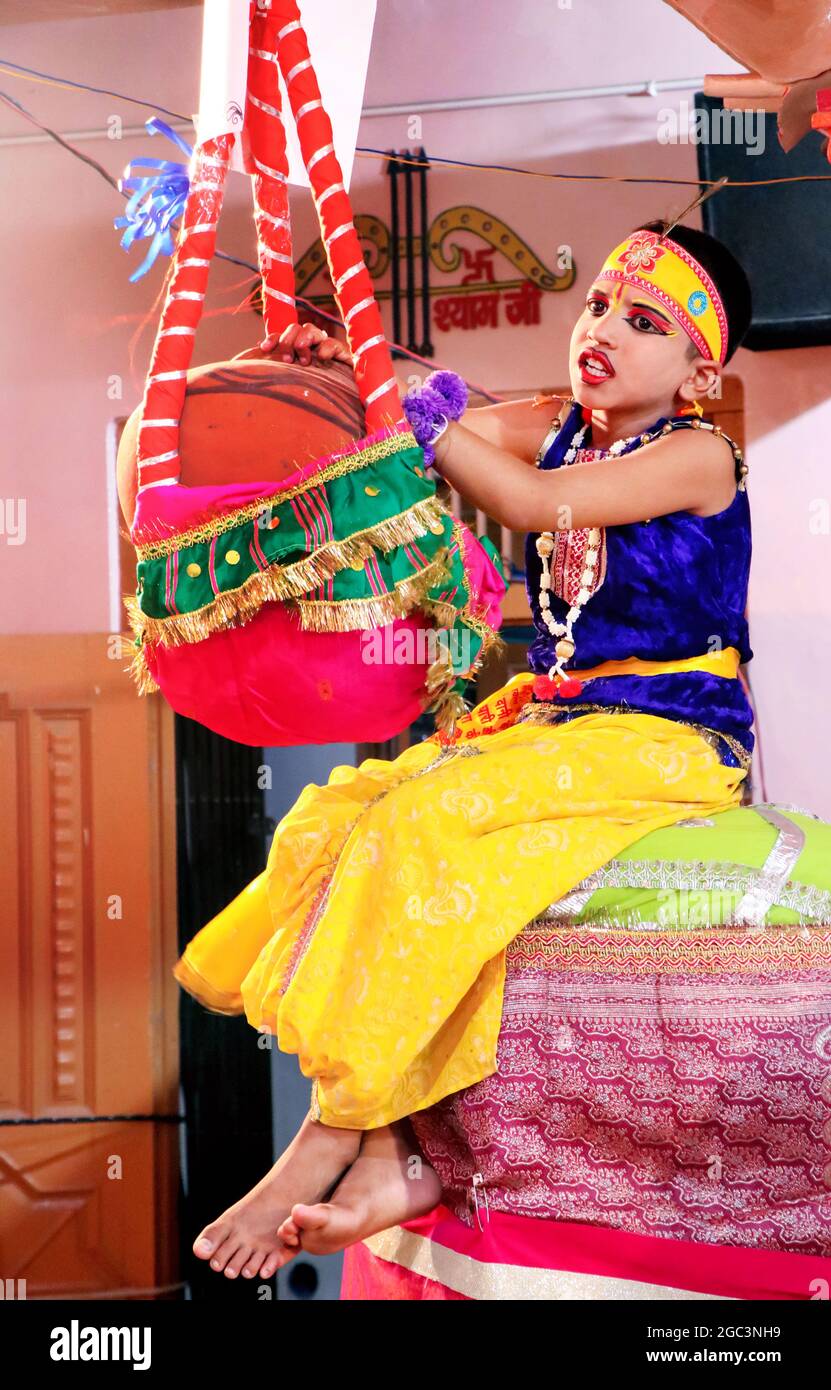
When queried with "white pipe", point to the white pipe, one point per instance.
{"points": [[417, 108], [619, 89]]}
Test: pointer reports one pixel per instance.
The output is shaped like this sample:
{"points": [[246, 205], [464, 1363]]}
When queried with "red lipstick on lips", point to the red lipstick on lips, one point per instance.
{"points": [[594, 366]]}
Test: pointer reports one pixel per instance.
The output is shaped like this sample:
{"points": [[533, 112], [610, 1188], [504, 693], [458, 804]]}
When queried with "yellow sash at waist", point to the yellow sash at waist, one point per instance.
{"points": [[721, 663], [499, 711]]}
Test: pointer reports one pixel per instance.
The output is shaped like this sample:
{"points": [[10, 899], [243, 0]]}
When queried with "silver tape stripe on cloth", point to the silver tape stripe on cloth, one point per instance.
{"points": [[761, 888], [776, 870]]}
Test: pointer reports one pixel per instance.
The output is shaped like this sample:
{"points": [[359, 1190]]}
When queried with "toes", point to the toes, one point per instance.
{"points": [[221, 1256], [310, 1218], [208, 1240], [237, 1261], [288, 1232], [275, 1261], [253, 1264]]}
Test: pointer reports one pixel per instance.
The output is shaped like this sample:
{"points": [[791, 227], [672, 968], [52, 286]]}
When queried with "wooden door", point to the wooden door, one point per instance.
{"points": [[88, 1010]]}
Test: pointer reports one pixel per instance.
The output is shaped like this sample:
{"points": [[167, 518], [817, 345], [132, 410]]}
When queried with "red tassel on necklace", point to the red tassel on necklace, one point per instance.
{"points": [[547, 688]]}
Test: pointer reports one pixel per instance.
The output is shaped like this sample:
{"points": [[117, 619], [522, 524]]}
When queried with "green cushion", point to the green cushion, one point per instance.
{"points": [[764, 864]]}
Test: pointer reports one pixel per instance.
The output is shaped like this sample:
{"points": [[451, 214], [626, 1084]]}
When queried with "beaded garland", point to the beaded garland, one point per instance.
{"points": [[559, 684]]}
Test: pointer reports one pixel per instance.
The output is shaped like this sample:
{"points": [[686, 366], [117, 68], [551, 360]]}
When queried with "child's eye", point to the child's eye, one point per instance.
{"points": [[596, 305], [644, 324]]}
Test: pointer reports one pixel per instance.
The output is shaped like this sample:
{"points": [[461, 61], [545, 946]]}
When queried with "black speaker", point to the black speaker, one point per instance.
{"points": [[779, 232]]}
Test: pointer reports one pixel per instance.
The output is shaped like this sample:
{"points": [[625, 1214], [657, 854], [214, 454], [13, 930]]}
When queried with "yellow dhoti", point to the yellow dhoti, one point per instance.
{"points": [[373, 945]]}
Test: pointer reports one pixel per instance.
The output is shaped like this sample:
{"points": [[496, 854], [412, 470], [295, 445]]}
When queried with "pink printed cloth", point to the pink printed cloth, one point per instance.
{"points": [[521, 1258], [660, 1118]]}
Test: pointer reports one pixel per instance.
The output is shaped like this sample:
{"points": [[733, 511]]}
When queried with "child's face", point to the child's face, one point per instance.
{"points": [[627, 351]]}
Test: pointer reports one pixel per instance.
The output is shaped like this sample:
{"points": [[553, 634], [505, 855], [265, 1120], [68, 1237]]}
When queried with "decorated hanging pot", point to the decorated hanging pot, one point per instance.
{"points": [[282, 515], [278, 484]]}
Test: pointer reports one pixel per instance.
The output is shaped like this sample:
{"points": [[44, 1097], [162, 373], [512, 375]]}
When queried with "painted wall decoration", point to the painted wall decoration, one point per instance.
{"points": [[501, 283]]}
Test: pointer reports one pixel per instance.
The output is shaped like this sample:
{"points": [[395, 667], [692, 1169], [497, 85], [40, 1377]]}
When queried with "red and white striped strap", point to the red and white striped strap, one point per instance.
{"points": [[277, 39], [269, 179], [374, 374], [164, 391]]}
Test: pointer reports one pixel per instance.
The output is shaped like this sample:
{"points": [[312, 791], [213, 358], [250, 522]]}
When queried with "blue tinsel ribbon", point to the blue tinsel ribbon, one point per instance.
{"points": [[156, 201]]}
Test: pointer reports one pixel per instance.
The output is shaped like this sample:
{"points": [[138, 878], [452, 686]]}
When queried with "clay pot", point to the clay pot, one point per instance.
{"points": [[268, 682], [253, 420]]}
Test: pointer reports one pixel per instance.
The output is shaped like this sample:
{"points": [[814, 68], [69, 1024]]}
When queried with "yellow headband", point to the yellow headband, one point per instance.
{"points": [[669, 273]]}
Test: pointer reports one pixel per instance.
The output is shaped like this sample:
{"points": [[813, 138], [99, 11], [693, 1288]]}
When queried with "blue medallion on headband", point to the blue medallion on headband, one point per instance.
{"points": [[697, 302]]}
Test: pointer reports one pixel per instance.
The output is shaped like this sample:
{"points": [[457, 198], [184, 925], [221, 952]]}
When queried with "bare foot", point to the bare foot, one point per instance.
{"points": [[388, 1183], [245, 1239]]}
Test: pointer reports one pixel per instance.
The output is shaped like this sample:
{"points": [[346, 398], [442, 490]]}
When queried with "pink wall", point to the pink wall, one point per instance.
{"points": [[71, 314]]}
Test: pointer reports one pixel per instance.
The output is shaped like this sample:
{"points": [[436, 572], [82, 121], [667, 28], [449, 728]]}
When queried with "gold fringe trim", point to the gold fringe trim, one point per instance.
{"points": [[274, 584], [443, 701], [341, 465], [446, 704], [343, 616], [448, 710], [349, 615], [139, 672], [446, 615]]}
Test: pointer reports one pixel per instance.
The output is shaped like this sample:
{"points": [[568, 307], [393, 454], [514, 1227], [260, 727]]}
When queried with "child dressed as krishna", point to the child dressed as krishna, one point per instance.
{"points": [[373, 945]]}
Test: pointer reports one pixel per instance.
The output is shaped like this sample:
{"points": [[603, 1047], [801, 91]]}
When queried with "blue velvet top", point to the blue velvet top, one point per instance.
{"points": [[675, 586]]}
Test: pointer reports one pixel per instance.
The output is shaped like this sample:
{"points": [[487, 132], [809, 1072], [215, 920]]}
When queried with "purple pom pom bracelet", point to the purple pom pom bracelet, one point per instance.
{"points": [[431, 407]]}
